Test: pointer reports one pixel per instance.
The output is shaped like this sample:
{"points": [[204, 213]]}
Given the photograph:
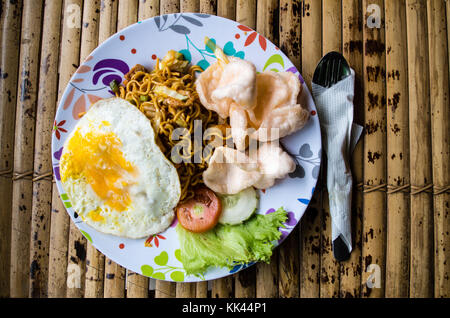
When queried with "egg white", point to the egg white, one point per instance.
{"points": [[154, 193]]}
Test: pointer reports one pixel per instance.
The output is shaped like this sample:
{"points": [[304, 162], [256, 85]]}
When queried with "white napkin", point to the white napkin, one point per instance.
{"points": [[339, 137]]}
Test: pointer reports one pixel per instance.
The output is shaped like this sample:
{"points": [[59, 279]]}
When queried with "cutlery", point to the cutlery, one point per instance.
{"points": [[331, 69]]}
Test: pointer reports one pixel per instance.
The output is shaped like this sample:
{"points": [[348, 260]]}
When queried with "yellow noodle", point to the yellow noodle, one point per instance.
{"points": [[167, 114]]}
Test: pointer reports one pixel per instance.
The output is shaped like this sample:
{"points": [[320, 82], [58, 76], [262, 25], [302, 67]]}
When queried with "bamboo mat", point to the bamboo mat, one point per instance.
{"points": [[400, 214]]}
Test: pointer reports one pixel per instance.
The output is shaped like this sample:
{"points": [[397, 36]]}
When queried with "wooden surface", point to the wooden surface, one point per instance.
{"points": [[400, 167]]}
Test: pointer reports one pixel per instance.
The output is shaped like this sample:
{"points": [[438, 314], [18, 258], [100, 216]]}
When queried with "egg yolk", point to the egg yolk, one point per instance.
{"points": [[97, 156], [95, 215]]}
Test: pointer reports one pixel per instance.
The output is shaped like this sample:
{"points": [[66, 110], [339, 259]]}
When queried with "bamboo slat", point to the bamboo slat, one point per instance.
{"points": [[331, 26], [439, 94], [329, 267], [421, 268], [397, 254], [95, 266], [137, 285], [90, 28], [10, 24], [288, 262], [310, 224], [310, 246], [108, 20], [165, 289], [201, 290], [58, 250], [268, 20], [127, 13], [189, 5], [222, 287], [374, 214], [24, 146], [226, 9], [59, 228], [101, 30], [245, 283], [185, 290], [246, 12], [448, 32], [114, 282], [288, 266], [76, 263], [350, 270], [148, 9], [290, 30], [45, 114], [208, 6], [169, 6]]}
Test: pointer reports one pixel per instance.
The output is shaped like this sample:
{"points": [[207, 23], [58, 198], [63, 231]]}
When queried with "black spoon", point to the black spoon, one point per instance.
{"points": [[331, 69]]}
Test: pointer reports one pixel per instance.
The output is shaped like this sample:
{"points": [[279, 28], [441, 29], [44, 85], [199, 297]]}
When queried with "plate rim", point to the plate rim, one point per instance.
{"points": [[59, 185]]}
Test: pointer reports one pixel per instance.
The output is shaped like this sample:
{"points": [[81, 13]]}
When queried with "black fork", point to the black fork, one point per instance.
{"points": [[331, 69]]}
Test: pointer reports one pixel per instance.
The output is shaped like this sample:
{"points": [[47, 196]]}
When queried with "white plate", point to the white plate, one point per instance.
{"points": [[142, 43]]}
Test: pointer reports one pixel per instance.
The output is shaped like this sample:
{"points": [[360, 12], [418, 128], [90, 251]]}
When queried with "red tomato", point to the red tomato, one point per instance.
{"points": [[201, 213]]}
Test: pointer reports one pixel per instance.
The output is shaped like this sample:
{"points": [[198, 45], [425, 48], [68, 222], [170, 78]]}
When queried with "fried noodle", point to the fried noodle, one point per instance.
{"points": [[168, 113]]}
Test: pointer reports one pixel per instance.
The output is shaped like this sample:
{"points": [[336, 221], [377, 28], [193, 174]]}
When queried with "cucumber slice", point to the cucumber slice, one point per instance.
{"points": [[236, 208]]}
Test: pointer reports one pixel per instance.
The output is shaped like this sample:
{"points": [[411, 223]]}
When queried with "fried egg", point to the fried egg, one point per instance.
{"points": [[116, 176]]}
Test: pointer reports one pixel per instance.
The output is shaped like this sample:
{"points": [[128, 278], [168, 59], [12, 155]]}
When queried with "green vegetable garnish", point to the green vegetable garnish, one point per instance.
{"points": [[198, 209], [175, 61], [179, 56], [228, 245], [168, 92], [218, 52], [114, 86], [143, 98], [236, 208]]}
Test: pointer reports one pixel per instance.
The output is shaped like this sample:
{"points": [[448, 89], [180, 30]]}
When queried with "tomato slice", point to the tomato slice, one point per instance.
{"points": [[201, 213]]}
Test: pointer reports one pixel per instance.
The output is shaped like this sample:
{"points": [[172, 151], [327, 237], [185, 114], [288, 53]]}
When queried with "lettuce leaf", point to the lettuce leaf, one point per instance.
{"points": [[228, 245]]}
